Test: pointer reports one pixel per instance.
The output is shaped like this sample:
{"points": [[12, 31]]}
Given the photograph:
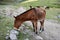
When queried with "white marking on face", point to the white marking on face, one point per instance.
{"points": [[15, 28]]}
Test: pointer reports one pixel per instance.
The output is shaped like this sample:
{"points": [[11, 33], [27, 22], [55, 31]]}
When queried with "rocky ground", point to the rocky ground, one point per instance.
{"points": [[51, 31]]}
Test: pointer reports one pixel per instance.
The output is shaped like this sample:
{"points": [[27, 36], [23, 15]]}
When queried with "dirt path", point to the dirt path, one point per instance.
{"points": [[52, 31]]}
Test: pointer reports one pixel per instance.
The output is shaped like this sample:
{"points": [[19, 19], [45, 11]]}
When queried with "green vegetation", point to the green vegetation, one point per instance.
{"points": [[52, 13], [50, 3], [6, 23]]}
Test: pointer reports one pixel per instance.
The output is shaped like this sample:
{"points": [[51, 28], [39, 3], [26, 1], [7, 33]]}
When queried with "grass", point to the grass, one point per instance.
{"points": [[52, 13], [27, 3], [50, 3], [6, 24]]}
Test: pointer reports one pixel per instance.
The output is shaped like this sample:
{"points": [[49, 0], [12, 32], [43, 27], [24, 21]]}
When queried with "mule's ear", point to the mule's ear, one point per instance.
{"points": [[14, 16], [38, 6], [30, 6]]}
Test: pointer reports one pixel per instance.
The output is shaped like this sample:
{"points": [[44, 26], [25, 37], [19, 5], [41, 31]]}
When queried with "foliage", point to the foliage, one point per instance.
{"points": [[52, 13], [4, 2], [50, 3], [6, 24]]}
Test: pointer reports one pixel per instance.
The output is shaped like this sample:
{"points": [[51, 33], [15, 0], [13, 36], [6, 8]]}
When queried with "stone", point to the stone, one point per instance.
{"points": [[13, 37], [26, 39], [13, 34], [19, 11], [58, 16], [38, 37]]}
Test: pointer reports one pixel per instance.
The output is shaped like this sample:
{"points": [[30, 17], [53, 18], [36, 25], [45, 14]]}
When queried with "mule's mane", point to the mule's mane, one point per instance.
{"points": [[25, 12]]}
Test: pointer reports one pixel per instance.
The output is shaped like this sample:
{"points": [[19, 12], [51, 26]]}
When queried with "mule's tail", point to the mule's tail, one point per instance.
{"points": [[46, 7]]}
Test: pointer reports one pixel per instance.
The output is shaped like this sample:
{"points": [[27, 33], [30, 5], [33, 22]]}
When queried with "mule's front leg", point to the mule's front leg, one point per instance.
{"points": [[35, 26], [42, 25]]}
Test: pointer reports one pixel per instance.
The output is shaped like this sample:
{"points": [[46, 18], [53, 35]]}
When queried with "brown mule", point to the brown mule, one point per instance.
{"points": [[33, 15]]}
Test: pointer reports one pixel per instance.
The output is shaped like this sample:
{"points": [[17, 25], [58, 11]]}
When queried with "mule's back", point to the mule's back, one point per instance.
{"points": [[40, 13], [27, 15], [32, 14]]}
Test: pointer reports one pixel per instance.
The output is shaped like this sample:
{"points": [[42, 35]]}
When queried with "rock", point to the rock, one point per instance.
{"points": [[13, 37], [13, 34], [19, 11], [38, 37], [26, 31], [26, 39], [58, 16], [28, 23], [8, 31], [7, 37]]}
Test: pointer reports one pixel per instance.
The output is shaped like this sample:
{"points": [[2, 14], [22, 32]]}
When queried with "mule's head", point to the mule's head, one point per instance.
{"points": [[17, 23]]}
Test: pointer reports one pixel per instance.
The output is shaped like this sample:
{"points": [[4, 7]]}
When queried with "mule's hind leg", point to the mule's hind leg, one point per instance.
{"points": [[42, 25], [35, 26]]}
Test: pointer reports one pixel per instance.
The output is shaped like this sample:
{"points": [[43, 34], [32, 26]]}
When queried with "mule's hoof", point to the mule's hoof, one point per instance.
{"points": [[42, 29], [36, 32]]}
